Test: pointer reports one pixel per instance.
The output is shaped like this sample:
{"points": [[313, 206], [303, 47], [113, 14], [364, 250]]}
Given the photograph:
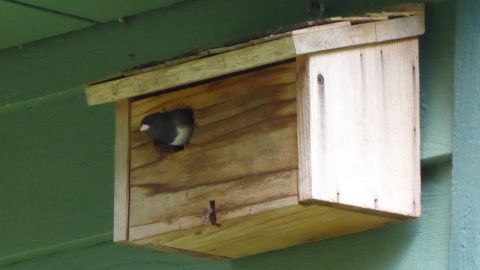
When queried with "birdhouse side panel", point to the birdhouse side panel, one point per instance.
{"points": [[243, 153], [363, 127]]}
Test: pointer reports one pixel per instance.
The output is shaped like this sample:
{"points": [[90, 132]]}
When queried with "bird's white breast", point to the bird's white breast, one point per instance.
{"points": [[184, 133]]}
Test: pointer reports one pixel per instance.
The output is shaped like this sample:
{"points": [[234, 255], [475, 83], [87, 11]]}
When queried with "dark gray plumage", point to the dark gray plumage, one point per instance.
{"points": [[170, 131]]}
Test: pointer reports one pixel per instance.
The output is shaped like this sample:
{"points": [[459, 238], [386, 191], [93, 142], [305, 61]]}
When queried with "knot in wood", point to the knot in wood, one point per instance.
{"points": [[320, 79]]}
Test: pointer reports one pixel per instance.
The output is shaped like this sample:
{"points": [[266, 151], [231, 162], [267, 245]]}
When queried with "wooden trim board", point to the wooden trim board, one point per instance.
{"points": [[122, 171], [294, 44]]}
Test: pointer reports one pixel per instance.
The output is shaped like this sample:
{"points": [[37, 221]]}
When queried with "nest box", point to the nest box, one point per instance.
{"points": [[303, 136]]}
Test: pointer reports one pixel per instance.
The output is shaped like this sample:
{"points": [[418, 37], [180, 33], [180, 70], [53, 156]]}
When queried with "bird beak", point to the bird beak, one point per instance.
{"points": [[144, 127]]}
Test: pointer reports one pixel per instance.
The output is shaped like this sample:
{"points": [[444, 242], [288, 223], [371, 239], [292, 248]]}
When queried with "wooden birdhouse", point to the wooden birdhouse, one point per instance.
{"points": [[306, 135]]}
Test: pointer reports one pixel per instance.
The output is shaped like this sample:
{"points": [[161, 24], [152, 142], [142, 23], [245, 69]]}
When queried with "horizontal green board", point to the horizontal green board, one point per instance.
{"points": [[102, 10], [20, 24]]}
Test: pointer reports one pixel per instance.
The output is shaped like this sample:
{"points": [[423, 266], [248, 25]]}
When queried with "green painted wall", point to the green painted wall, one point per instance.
{"points": [[57, 153], [56, 171], [465, 247], [101, 11], [35, 24]]}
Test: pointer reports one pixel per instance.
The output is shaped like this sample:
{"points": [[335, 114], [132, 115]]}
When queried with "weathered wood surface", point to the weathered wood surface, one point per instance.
{"points": [[359, 34], [287, 46], [274, 229], [401, 10], [122, 171], [359, 127], [242, 154], [193, 71]]}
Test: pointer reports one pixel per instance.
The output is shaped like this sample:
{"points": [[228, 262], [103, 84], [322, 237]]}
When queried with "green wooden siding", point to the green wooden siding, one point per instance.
{"points": [[35, 24], [57, 153], [104, 10], [56, 173]]}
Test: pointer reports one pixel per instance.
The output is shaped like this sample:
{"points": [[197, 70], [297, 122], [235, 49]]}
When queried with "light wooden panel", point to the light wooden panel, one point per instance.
{"points": [[243, 153], [288, 45], [122, 171], [359, 125], [274, 229], [359, 34], [192, 71]]}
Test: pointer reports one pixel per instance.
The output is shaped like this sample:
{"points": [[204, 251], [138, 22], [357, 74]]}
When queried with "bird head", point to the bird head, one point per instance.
{"points": [[147, 122], [172, 128]]}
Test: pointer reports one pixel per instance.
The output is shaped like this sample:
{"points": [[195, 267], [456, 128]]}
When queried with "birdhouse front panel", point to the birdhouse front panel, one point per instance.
{"points": [[243, 153]]}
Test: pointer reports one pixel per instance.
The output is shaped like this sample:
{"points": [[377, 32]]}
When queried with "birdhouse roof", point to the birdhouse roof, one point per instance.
{"points": [[310, 37]]}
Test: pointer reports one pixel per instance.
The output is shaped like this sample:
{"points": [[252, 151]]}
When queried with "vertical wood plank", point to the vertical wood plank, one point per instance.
{"points": [[307, 104], [122, 171]]}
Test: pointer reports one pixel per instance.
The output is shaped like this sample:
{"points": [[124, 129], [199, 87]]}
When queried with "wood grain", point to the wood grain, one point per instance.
{"points": [[122, 171], [400, 28], [273, 229], [193, 71], [306, 159], [287, 46], [360, 145], [359, 34], [242, 154]]}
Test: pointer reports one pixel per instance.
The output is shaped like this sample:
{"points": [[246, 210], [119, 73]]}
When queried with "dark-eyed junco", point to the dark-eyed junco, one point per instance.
{"points": [[170, 131]]}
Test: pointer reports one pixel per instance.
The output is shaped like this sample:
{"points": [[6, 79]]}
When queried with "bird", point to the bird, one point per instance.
{"points": [[171, 131]]}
